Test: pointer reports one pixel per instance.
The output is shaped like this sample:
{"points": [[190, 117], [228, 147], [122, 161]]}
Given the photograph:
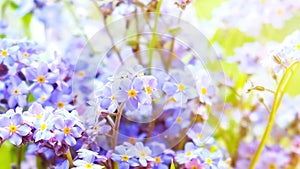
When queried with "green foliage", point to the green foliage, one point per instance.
{"points": [[204, 8], [229, 39], [172, 165], [6, 155], [30, 98], [268, 32], [26, 20]]}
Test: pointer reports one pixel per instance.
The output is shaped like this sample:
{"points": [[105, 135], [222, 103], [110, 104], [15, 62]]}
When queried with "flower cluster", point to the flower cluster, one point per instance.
{"points": [[148, 90]]}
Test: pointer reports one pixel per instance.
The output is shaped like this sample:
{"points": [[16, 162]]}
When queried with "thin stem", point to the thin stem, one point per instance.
{"points": [[172, 45], [110, 121], [69, 158], [265, 105], [117, 125], [281, 90], [137, 47], [154, 37]]}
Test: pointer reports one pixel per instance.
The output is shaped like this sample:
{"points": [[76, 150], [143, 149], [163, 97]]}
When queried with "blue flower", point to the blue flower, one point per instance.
{"points": [[131, 93], [188, 154], [125, 157], [181, 87], [107, 99], [18, 93], [143, 153], [41, 77], [65, 130], [12, 128]]}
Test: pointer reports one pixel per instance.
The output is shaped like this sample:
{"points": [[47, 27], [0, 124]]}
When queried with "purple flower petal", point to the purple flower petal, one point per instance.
{"points": [[59, 123], [4, 121], [4, 133], [76, 132], [15, 139], [70, 140], [17, 119], [23, 130]]}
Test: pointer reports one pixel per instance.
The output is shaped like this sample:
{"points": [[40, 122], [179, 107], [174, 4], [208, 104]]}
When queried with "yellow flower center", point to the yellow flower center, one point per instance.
{"points": [[81, 73], [125, 158], [4, 53], [13, 128], [148, 90], [263, 1], [194, 167], [88, 165], [60, 105], [132, 93], [39, 116], [178, 120], [112, 98], [67, 130], [199, 135], [181, 87], [16, 92], [25, 54], [41, 79], [272, 166], [43, 126], [43, 98], [203, 90], [298, 46], [208, 161], [188, 153], [143, 154], [157, 160], [132, 140]]}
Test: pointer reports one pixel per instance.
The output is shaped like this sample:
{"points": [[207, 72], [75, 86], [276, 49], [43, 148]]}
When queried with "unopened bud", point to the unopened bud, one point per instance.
{"points": [[259, 88], [277, 59]]}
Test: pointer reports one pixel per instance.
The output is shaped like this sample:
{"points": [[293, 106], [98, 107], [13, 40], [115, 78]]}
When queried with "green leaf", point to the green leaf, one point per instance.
{"points": [[30, 98], [172, 165], [26, 20], [268, 32], [204, 8], [229, 39], [5, 155], [4, 7]]}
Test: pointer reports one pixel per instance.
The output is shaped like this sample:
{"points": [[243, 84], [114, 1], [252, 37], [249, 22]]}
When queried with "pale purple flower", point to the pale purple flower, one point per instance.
{"points": [[43, 127], [143, 153], [106, 99], [187, 154], [131, 93], [65, 130], [181, 87], [13, 129], [125, 157], [18, 93], [41, 77], [273, 157]]}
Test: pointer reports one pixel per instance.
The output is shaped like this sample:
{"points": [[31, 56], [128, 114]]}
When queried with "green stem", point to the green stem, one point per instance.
{"points": [[154, 37], [69, 158], [281, 90]]}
